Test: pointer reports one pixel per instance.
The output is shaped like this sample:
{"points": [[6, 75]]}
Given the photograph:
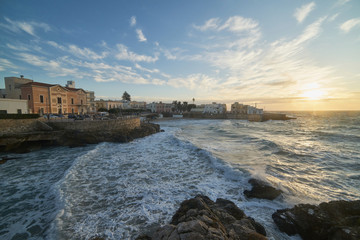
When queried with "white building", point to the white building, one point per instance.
{"points": [[13, 106], [215, 108], [160, 107], [254, 110]]}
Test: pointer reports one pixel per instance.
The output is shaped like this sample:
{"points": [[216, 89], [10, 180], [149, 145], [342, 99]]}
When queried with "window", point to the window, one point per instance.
{"points": [[59, 100], [72, 101], [42, 111], [41, 98], [19, 96], [10, 87], [19, 111], [81, 102], [28, 97]]}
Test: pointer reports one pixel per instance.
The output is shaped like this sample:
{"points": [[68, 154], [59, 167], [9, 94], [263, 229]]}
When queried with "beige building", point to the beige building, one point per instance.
{"points": [[215, 108], [8, 106], [13, 86]]}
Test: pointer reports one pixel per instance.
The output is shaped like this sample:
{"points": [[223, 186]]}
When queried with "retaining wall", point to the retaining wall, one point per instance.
{"points": [[97, 125], [8, 126]]}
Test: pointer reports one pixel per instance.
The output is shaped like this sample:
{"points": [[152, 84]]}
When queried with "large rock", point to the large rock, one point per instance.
{"points": [[261, 189], [333, 220], [200, 218]]}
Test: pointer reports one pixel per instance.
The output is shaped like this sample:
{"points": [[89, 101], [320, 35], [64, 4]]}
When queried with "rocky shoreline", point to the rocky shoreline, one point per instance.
{"points": [[200, 218], [46, 136]]}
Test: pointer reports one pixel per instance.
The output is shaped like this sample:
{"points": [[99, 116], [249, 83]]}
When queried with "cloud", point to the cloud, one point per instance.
{"points": [[6, 65], [55, 68], [140, 35], [302, 12], [84, 53], [233, 24], [146, 69], [132, 21], [194, 81], [341, 2], [125, 54], [350, 24], [28, 27]]}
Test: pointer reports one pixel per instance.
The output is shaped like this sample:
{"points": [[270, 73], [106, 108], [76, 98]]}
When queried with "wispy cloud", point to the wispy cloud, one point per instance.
{"points": [[232, 24], [6, 65], [350, 24], [84, 53], [125, 54], [140, 35], [341, 2], [302, 12], [27, 27], [132, 21], [54, 67]]}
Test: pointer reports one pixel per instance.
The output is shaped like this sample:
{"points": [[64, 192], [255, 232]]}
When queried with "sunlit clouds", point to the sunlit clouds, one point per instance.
{"points": [[278, 60], [302, 12]]}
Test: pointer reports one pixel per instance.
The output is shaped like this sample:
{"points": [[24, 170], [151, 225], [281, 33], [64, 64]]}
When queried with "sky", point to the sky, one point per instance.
{"points": [[277, 55]]}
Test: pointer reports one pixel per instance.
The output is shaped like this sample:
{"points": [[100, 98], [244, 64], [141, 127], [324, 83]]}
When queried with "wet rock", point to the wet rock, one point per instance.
{"points": [[201, 218], [333, 220], [261, 189]]}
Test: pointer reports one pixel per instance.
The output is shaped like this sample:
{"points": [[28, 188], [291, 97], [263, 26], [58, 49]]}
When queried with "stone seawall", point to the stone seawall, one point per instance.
{"points": [[127, 124], [39, 133], [10, 126]]}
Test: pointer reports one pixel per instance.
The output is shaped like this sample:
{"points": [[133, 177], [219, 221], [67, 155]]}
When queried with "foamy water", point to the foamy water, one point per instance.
{"points": [[122, 190]]}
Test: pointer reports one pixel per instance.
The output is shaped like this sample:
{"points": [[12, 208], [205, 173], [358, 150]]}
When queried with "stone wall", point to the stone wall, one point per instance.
{"points": [[10, 126], [97, 125]]}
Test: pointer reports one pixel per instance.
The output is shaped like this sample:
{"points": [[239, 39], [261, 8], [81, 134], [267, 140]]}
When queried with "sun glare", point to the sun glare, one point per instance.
{"points": [[314, 94]]}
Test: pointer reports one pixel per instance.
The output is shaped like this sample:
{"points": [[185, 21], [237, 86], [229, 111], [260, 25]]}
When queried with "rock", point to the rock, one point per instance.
{"points": [[333, 220], [261, 189], [201, 218]]}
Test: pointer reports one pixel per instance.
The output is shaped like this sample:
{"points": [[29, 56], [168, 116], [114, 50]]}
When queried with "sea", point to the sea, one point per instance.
{"points": [[122, 190]]}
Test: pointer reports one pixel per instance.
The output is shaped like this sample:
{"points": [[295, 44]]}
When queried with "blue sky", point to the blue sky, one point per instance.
{"points": [[282, 55]]}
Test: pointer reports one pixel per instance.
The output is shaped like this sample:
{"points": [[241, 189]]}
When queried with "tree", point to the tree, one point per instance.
{"points": [[126, 96]]}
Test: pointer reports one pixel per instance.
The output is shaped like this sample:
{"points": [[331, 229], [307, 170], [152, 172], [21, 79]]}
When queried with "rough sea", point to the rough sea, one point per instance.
{"points": [[119, 191]]}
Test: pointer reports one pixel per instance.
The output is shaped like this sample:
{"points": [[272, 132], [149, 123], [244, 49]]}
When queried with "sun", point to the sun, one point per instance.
{"points": [[314, 94]]}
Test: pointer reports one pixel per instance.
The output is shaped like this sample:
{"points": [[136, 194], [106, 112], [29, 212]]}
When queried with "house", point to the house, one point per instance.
{"points": [[237, 108], [13, 87], [13, 106], [215, 108], [46, 98], [160, 107]]}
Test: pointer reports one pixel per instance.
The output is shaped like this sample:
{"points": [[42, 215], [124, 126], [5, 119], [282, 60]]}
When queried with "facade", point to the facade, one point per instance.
{"points": [[13, 86], [138, 105], [237, 108], [160, 107], [13, 106], [215, 108], [46, 98], [108, 104], [90, 100], [2, 93]]}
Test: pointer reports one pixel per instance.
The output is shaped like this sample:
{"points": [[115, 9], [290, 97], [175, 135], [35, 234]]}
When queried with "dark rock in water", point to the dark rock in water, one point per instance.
{"points": [[333, 220], [201, 218], [261, 189]]}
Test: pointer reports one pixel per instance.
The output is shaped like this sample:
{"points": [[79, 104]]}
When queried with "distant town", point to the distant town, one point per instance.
{"points": [[25, 96]]}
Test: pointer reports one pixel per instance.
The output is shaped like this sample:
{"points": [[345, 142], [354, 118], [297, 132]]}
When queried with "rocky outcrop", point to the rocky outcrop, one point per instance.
{"points": [[261, 189], [333, 220], [200, 218], [45, 136]]}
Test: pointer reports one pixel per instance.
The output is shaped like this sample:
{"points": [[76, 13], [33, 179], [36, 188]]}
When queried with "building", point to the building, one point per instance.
{"points": [[13, 87], [237, 108], [215, 108], [138, 105], [46, 98], [109, 104], [160, 107], [13, 106], [90, 100]]}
